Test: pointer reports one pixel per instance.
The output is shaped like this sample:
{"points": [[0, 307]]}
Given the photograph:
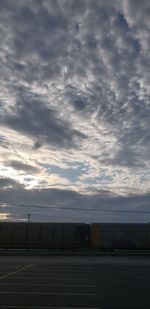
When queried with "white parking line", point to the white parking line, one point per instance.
{"points": [[63, 268], [51, 293], [35, 307], [17, 266], [15, 272], [47, 284], [54, 279], [62, 272], [57, 275], [5, 271]]}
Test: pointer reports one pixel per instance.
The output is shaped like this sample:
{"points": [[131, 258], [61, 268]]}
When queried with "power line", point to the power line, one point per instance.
{"points": [[77, 209]]}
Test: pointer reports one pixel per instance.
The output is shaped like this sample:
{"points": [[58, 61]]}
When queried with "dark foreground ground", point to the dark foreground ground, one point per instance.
{"points": [[74, 282]]}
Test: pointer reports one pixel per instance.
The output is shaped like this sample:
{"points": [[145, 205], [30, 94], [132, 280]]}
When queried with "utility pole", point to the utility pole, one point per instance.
{"points": [[28, 216]]}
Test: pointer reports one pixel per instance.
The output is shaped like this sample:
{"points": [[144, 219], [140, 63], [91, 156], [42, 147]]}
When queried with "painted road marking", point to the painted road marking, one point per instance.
{"points": [[35, 307], [53, 293], [15, 272], [54, 279], [64, 269], [5, 271], [47, 284], [53, 276], [62, 272], [2, 266]]}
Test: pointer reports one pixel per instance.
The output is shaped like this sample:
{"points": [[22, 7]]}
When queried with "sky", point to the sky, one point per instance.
{"points": [[75, 110]]}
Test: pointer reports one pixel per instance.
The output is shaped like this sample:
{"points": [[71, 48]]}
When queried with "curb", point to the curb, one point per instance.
{"points": [[32, 252]]}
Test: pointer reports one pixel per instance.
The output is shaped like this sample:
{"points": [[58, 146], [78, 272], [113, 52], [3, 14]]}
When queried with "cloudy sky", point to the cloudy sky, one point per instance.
{"points": [[75, 110]]}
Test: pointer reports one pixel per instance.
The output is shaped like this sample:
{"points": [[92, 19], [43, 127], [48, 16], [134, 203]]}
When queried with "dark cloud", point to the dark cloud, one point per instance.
{"points": [[20, 166], [125, 156], [6, 183], [37, 145], [66, 199], [34, 118]]}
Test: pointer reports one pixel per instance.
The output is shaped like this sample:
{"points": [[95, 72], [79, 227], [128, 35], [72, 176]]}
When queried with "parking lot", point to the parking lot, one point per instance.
{"points": [[45, 284], [74, 282]]}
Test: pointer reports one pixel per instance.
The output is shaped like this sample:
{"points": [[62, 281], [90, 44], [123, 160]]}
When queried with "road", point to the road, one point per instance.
{"points": [[74, 282]]}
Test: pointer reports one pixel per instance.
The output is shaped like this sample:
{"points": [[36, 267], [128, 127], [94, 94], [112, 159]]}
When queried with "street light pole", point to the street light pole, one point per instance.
{"points": [[29, 216]]}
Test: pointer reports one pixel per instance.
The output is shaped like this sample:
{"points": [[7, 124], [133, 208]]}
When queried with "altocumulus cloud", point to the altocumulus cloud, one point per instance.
{"points": [[74, 98]]}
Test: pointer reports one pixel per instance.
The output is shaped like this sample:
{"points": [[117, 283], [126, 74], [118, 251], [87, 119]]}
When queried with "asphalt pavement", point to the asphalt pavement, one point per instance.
{"points": [[74, 282]]}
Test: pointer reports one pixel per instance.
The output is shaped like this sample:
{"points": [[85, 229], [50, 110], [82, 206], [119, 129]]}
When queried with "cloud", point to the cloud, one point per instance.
{"points": [[20, 166], [34, 118], [38, 144], [74, 81], [67, 205], [6, 183]]}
